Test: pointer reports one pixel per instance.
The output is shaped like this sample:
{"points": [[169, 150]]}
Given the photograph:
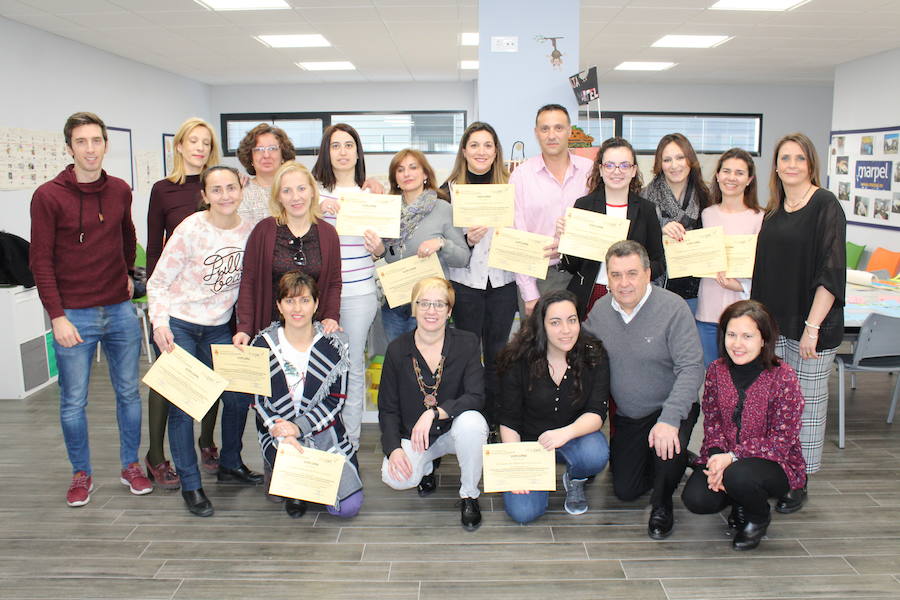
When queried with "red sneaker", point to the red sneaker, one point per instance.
{"points": [[162, 475], [133, 477], [209, 459], [80, 490]]}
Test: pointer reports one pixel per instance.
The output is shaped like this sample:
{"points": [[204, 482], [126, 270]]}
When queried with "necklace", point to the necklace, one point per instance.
{"points": [[429, 392], [795, 205]]}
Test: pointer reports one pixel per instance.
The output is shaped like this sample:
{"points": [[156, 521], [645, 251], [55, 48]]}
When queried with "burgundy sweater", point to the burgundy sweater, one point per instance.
{"points": [[770, 422], [82, 242], [170, 204], [254, 305]]}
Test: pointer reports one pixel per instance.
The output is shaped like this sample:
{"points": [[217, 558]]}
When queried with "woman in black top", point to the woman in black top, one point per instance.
{"points": [[615, 184], [800, 275], [555, 390]]}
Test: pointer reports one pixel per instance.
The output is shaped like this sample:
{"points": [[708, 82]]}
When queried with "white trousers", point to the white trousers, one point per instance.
{"points": [[357, 314]]}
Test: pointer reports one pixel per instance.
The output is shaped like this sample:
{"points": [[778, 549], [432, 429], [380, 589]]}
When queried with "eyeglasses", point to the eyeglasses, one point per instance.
{"points": [[299, 255], [428, 304], [261, 149], [622, 166]]}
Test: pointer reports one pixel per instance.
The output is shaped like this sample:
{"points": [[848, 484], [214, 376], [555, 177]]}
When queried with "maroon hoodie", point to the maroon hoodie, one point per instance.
{"points": [[82, 242]]}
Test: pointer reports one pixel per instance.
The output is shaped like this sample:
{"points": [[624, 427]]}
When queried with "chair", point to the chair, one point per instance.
{"points": [[877, 349], [140, 306], [883, 259], [854, 253]]}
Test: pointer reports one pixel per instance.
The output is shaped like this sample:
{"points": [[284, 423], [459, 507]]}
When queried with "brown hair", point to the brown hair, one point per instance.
{"points": [[178, 175], [551, 107], [83, 118], [499, 173], [776, 188], [696, 174], [595, 180], [275, 205], [751, 200], [245, 148], [430, 183], [323, 170], [768, 329], [292, 284]]}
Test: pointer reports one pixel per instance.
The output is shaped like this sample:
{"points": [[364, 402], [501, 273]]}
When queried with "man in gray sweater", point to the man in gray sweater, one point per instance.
{"points": [[656, 369]]}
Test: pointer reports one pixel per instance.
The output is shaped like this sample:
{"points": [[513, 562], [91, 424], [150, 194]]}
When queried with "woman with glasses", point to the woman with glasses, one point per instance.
{"points": [[429, 398], [615, 184], [679, 195], [295, 239], [262, 152], [426, 228]]}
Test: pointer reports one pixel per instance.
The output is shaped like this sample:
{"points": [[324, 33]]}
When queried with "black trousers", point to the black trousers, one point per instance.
{"points": [[489, 314], [635, 466], [749, 482]]}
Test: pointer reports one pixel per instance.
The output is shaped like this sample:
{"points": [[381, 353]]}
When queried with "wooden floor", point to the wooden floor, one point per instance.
{"points": [[844, 544]]}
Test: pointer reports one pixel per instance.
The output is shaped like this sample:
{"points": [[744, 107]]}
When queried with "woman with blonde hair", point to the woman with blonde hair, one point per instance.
{"points": [[172, 200]]}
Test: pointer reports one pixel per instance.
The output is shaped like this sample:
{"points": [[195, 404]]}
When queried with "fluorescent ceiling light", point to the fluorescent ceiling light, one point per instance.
{"points": [[470, 65], [468, 39], [335, 65], [632, 65], [309, 40], [768, 5], [690, 41], [243, 4]]}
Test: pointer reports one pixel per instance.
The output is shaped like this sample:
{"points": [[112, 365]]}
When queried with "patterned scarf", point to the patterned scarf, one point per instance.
{"points": [[668, 208], [412, 214]]}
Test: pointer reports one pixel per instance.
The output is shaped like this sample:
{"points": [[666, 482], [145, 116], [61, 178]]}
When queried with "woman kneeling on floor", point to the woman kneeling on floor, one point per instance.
{"points": [[751, 429], [309, 386], [554, 389]]}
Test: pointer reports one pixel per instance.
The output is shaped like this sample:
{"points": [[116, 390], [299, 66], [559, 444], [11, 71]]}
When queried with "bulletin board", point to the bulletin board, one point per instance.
{"points": [[864, 174]]}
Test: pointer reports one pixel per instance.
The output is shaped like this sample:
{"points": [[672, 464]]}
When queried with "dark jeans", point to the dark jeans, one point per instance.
{"points": [[749, 482], [636, 468], [489, 314], [397, 320]]}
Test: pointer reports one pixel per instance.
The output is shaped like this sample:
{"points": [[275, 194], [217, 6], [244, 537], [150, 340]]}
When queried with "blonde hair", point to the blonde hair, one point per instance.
{"points": [[275, 205], [433, 283], [178, 172]]}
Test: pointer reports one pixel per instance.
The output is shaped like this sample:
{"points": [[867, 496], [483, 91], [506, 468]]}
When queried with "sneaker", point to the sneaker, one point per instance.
{"points": [[80, 489], [133, 477], [162, 475], [209, 459], [576, 503]]}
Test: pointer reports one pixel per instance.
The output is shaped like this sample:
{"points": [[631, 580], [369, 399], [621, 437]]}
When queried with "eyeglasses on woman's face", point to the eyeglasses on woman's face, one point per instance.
{"points": [[609, 167], [429, 304]]}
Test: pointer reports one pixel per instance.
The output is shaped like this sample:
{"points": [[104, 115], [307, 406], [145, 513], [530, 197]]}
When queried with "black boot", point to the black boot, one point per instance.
{"points": [[470, 514], [662, 519], [294, 508], [737, 519], [751, 535], [197, 502], [792, 501], [428, 483]]}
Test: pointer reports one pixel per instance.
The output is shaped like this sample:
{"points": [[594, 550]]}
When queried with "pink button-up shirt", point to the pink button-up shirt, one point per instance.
{"points": [[541, 199]]}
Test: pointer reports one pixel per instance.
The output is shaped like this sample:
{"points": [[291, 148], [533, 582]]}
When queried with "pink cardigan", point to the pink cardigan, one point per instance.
{"points": [[770, 422]]}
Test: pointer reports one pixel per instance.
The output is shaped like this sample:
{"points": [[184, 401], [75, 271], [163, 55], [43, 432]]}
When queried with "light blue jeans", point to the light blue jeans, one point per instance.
{"points": [[116, 328], [584, 456], [357, 314], [709, 341]]}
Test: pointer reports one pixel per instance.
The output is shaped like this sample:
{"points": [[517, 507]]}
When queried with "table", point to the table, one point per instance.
{"points": [[861, 301]]}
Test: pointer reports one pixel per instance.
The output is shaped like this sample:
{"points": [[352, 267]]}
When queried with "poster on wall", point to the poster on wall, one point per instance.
{"points": [[864, 174], [28, 158]]}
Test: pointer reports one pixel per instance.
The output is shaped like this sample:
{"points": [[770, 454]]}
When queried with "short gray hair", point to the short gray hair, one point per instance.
{"points": [[627, 248]]}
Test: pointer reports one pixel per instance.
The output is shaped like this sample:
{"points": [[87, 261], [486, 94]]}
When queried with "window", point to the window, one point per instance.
{"points": [[380, 132], [709, 133]]}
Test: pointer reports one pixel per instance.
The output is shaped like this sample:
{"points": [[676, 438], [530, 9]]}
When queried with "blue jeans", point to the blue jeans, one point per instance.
{"points": [[397, 321], [584, 456], [196, 339], [116, 327], [709, 341]]}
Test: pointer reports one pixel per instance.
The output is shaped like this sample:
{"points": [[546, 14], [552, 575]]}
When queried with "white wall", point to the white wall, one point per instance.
{"points": [[349, 97], [867, 94], [61, 77]]}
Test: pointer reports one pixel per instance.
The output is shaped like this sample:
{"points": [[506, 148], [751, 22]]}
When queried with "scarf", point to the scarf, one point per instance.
{"points": [[668, 208], [412, 214]]}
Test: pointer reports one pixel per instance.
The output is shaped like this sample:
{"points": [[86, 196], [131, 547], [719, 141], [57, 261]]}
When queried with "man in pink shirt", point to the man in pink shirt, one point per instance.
{"points": [[546, 185]]}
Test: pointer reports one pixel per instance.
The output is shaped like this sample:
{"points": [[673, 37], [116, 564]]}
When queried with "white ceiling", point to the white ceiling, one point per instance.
{"points": [[417, 40]]}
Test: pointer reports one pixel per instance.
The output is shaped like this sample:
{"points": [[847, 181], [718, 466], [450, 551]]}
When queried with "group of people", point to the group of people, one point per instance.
{"points": [[258, 262]]}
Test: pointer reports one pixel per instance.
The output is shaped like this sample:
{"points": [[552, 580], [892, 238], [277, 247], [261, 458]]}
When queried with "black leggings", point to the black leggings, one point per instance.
{"points": [[749, 482]]}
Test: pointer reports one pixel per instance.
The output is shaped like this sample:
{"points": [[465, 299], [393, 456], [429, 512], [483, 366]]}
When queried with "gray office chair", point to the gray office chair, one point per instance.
{"points": [[877, 349]]}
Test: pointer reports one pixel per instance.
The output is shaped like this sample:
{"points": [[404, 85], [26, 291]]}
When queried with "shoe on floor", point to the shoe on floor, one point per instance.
{"points": [[470, 514], [792, 501], [428, 483], [576, 503], [162, 475], [198, 503], [80, 489], [662, 519], [749, 537], [294, 508], [242, 474], [738, 518], [133, 477], [209, 459]]}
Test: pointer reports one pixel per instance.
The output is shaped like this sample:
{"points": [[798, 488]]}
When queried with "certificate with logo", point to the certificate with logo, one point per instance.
{"points": [[589, 234], [702, 251], [398, 278], [361, 211], [310, 475], [740, 256], [246, 368], [520, 252], [518, 466], [486, 205], [185, 382]]}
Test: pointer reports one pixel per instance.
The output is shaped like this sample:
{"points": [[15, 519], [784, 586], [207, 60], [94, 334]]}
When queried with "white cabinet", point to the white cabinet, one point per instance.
{"points": [[27, 361]]}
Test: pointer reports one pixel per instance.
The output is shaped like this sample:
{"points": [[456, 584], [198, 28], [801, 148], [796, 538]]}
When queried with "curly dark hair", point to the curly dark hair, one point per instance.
{"points": [[245, 148], [530, 345]]}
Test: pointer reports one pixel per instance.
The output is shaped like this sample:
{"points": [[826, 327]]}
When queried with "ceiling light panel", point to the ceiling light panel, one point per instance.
{"points": [[690, 41], [336, 65], [764, 5], [468, 65], [309, 40], [633, 65], [244, 4]]}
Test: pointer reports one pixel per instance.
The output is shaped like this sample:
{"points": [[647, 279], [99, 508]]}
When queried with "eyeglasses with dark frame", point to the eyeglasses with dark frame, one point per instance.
{"points": [[435, 304]]}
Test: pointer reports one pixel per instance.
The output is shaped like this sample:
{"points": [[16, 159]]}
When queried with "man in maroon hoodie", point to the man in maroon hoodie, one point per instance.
{"points": [[82, 248]]}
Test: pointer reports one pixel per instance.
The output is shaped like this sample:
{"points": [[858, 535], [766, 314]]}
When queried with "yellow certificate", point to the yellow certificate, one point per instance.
{"points": [[311, 475], [740, 256], [589, 234], [702, 251], [361, 211], [398, 278], [185, 382], [488, 205], [518, 466], [520, 252], [246, 369]]}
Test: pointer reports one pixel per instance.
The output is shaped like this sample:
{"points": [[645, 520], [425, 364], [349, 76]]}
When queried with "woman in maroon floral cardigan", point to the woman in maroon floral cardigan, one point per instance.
{"points": [[751, 431]]}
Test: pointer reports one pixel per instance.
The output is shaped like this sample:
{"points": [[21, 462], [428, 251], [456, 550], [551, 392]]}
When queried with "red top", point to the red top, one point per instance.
{"points": [[82, 242], [255, 301], [170, 204]]}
